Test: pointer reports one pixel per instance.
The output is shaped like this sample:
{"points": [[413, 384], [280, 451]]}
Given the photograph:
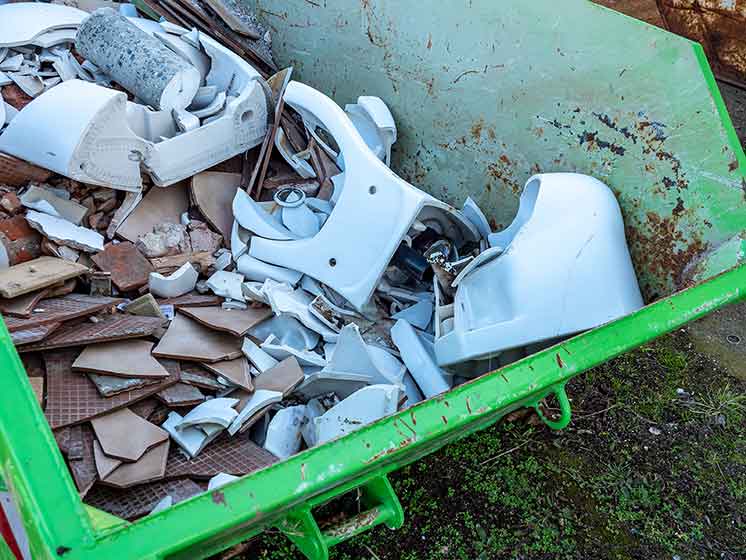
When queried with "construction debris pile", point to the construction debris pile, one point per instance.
{"points": [[206, 272]]}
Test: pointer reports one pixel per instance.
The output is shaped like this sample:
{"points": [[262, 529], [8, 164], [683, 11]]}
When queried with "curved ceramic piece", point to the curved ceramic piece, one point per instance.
{"points": [[375, 204], [375, 123], [284, 432], [288, 331], [215, 106], [177, 284], [251, 216], [474, 214], [295, 303], [279, 351], [566, 268], [22, 22], [98, 146], [419, 361], [213, 411], [356, 411], [239, 240], [258, 271], [417, 315], [301, 166]]}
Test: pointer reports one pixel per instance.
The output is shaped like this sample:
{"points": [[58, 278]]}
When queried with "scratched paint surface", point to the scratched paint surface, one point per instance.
{"points": [[486, 94]]}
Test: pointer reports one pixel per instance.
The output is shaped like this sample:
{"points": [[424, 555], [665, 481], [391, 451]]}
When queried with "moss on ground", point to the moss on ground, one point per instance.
{"points": [[652, 466]]}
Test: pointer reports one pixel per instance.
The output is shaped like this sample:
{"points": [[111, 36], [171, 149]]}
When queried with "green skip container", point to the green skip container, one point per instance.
{"points": [[484, 94]]}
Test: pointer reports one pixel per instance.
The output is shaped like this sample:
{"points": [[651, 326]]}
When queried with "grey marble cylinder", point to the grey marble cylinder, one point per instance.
{"points": [[137, 61]]}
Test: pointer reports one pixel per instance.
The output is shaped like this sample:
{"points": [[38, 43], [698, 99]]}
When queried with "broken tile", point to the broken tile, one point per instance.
{"points": [[104, 464], [235, 455], [145, 408], [65, 233], [236, 322], [73, 398], [100, 283], [159, 206], [196, 375], [177, 284], [130, 202], [145, 306], [33, 334], [108, 385], [129, 268], [37, 385], [133, 503], [284, 377], [123, 358], [187, 340], [201, 261], [213, 194], [18, 242], [181, 394], [150, 467], [84, 470], [236, 371], [107, 329], [192, 300], [70, 442], [46, 201], [125, 436], [36, 274], [59, 310]]}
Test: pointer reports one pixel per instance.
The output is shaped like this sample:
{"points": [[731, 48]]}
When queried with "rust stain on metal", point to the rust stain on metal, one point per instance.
{"points": [[413, 417], [445, 420], [468, 404], [218, 498], [560, 363], [388, 451], [303, 471]]}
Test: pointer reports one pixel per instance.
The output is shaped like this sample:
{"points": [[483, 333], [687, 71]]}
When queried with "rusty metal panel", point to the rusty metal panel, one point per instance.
{"points": [[719, 25], [637, 108]]}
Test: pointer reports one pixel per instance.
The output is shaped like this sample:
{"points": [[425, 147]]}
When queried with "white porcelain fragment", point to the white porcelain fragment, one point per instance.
{"points": [[356, 411], [353, 356], [218, 411], [203, 97], [475, 215], [178, 283], [323, 382], [417, 315], [288, 331], [283, 437], [419, 361], [259, 271], [301, 166], [191, 440], [375, 123], [215, 106], [294, 302], [253, 217], [220, 479], [257, 356], [239, 240], [165, 503], [22, 22], [279, 352], [63, 232], [352, 265], [565, 268], [226, 284], [185, 121], [12, 63], [260, 399]]}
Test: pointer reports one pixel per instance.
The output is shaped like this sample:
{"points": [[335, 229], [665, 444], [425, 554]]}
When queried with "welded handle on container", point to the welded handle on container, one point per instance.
{"points": [[565, 408], [381, 507]]}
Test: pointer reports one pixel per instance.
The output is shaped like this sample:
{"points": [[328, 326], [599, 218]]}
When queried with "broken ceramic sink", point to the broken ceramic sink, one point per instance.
{"points": [[561, 267], [110, 140], [24, 22], [374, 203]]}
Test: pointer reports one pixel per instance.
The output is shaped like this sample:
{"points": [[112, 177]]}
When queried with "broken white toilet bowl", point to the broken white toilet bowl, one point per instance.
{"points": [[374, 212], [565, 268]]}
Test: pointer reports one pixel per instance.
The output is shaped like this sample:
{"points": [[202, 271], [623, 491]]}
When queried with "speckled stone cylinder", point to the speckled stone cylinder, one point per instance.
{"points": [[137, 61]]}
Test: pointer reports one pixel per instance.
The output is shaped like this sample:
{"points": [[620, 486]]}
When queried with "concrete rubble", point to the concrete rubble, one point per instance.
{"points": [[194, 303]]}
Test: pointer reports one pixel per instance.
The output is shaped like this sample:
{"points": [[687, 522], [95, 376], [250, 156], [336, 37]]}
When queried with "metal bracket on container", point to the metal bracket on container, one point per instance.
{"points": [[380, 506], [564, 403]]}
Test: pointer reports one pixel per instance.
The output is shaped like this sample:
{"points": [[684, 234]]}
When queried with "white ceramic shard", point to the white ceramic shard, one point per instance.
{"points": [[288, 331], [218, 411], [259, 400], [22, 22], [203, 97], [296, 216], [185, 121], [165, 503], [279, 352], [12, 63], [226, 284], [47, 201], [239, 240], [284, 299], [353, 356], [475, 215], [220, 479], [414, 395], [419, 361], [63, 232], [356, 411], [258, 271], [169, 27], [191, 440], [375, 204], [150, 125], [254, 291], [253, 217], [321, 383], [484, 257], [54, 37], [375, 123], [98, 146], [178, 283], [257, 356], [214, 107], [283, 437], [417, 315], [565, 268]]}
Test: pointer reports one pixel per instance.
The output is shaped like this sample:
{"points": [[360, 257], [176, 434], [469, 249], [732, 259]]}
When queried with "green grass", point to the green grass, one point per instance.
{"points": [[606, 487]]}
